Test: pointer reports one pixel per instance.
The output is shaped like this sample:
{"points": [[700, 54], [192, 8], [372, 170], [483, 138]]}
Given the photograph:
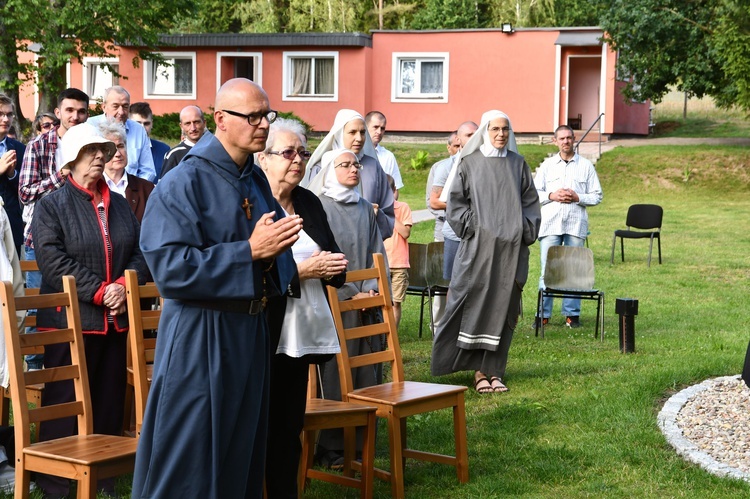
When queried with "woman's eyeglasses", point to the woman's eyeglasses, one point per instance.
{"points": [[290, 154], [46, 126], [348, 164]]}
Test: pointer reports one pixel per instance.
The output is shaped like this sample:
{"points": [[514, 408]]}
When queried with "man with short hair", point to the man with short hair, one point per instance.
{"points": [[376, 122], [566, 183], [11, 154], [140, 112], [453, 146], [117, 108], [193, 126], [222, 248]]}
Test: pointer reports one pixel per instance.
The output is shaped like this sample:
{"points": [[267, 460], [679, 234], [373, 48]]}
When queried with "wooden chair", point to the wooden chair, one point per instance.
{"points": [[33, 392], [85, 457], [140, 349], [321, 414], [398, 399]]}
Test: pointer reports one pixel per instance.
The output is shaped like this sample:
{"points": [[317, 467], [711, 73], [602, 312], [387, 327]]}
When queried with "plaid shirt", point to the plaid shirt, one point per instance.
{"points": [[38, 176]]}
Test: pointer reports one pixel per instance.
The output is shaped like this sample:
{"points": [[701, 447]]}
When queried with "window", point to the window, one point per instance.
{"points": [[420, 77], [98, 76], [311, 76], [172, 78]]}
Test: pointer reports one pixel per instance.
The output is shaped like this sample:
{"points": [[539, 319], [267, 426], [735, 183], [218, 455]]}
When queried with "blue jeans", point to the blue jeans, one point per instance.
{"points": [[33, 280], [570, 306]]}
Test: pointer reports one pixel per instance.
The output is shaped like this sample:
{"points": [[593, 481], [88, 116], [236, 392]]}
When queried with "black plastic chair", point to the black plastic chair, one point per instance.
{"points": [[645, 217], [569, 273]]}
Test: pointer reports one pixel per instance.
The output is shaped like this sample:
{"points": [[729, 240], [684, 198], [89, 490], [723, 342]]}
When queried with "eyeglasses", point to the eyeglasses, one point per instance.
{"points": [[6, 115], [503, 130], [290, 154], [347, 165], [46, 126], [254, 119]]}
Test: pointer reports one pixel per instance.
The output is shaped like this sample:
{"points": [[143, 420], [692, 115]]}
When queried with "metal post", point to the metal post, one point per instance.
{"points": [[627, 309]]}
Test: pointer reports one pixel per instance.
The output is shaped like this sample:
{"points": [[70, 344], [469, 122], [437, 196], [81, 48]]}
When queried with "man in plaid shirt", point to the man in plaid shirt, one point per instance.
{"points": [[40, 175]]}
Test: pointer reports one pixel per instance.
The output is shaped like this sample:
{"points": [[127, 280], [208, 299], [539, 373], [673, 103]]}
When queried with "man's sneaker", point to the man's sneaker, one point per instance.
{"points": [[573, 322], [538, 324]]}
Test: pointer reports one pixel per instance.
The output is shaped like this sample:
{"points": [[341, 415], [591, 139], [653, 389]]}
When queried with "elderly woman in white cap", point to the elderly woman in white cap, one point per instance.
{"points": [[84, 230], [350, 132], [352, 220], [494, 208]]}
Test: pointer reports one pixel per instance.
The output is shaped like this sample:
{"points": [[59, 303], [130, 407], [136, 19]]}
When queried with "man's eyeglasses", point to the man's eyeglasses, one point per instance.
{"points": [[290, 154], [254, 119], [6, 115], [348, 164]]}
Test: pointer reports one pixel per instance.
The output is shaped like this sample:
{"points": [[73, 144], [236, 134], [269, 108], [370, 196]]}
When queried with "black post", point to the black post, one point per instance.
{"points": [[627, 309]]}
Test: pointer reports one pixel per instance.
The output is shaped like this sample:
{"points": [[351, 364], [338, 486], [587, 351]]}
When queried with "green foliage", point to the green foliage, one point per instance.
{"points": [[702, 47], [419, 161], [450, 14]]}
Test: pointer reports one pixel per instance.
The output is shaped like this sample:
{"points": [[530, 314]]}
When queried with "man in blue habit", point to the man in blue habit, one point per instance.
{"points": [[217, 248]]}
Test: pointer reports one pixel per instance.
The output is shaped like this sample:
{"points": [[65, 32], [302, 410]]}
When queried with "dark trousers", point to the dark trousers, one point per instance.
{"points": [[105, 363], [288, 398]]}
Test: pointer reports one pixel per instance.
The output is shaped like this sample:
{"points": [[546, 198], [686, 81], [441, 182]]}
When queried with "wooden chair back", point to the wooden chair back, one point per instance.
{"points": [[383, 301], [141, 349], [83, 457]]}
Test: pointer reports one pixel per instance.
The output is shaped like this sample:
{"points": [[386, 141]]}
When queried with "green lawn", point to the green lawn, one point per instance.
{"points": [[580, 419]]}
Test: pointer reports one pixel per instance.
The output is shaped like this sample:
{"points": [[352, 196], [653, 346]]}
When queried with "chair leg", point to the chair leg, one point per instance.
{"points": [[429, 308], [421, 312], [650, 247], [368, 457], [539, 313], [658, 244], [459, 432], [397, 467], [87, 484], [622, 248], [23, 478], [306, 459]]}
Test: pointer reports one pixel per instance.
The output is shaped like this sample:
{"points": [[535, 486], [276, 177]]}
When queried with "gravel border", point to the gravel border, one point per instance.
{"points": [[667, 421]]}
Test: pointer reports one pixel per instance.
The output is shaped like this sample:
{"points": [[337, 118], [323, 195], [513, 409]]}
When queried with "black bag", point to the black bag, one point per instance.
{"points": [[746, 369]]}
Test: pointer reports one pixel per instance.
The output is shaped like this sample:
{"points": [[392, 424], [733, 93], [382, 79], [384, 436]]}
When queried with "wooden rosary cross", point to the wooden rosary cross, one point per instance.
{"points": [[247, 205]]}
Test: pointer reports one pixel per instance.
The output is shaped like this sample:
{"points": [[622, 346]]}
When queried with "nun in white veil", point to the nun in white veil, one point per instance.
{"points": [[349, 132], [494, 208], [353, 224]]}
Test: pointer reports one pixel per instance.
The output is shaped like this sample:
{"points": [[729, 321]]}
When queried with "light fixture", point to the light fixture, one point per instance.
{"points": [[506, 28]]}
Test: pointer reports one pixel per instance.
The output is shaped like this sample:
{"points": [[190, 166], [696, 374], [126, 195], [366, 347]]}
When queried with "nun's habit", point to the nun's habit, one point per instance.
{"points": [[373, 184], [353, 224], [493, 207]]}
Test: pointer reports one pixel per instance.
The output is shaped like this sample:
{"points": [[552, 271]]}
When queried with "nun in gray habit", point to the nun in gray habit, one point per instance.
{"points": [[354, 225], [494, 209]]}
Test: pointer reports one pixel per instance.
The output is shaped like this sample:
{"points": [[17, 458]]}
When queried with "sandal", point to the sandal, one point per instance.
{"points": [[497, 385], [483, 389]]}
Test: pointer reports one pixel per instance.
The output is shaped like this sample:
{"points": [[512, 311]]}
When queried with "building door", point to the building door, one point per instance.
{"points": [[584, 81]]}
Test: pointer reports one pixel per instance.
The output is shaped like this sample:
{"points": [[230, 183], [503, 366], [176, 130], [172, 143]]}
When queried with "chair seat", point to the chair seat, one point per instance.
{"points": [[84, 450], [585, 292], [403, 392], [324, 407], [634, 234]]}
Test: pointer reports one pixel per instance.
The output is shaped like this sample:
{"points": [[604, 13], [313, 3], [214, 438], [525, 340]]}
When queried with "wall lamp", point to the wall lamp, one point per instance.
{"points": [[507, 28]]}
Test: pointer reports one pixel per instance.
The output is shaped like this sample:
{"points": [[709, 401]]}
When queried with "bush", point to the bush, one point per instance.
{"points": [[419, 162]]}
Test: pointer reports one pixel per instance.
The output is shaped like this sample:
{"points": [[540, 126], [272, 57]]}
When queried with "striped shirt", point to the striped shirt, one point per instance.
{"points": [[577, 174]]}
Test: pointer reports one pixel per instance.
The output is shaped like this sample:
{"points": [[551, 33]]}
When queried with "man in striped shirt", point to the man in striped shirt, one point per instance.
{"points": [[567, 184]]}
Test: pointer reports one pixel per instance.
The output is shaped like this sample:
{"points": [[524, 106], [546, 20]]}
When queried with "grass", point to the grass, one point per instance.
{"points": [[703, 119], [580, 419]]}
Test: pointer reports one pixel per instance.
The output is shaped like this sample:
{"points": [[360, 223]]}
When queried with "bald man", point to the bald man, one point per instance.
{"points": [[220, 251], [193, 126]]}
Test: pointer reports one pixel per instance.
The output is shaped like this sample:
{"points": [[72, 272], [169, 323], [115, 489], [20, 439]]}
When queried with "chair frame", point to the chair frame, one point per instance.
{"points": [[85, 457], [321, 414], [631, 234], [141, 350], [398, 399], [418, 285], [584, 294]]}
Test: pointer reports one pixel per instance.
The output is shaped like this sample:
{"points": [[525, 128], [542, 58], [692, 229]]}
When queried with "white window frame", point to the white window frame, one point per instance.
{"points": [[87, 61], [258, 56], [170, 55], [397, 96], [287, 77]]}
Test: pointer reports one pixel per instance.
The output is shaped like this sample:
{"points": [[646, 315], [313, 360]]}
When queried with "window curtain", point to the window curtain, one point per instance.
{"points": [[408, 76], [431, 81], [324, 76], [301, 76], [93, 70], [183, 76]]}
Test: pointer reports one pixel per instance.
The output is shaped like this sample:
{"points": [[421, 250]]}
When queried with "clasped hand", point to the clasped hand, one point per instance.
{"points": [[272, 237], [322, 265], [114, 298]]}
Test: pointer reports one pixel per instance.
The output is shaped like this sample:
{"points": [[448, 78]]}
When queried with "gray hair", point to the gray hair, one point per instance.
{"points": [[116, 89], [109, 129], [5, 100], [285, 125]]}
